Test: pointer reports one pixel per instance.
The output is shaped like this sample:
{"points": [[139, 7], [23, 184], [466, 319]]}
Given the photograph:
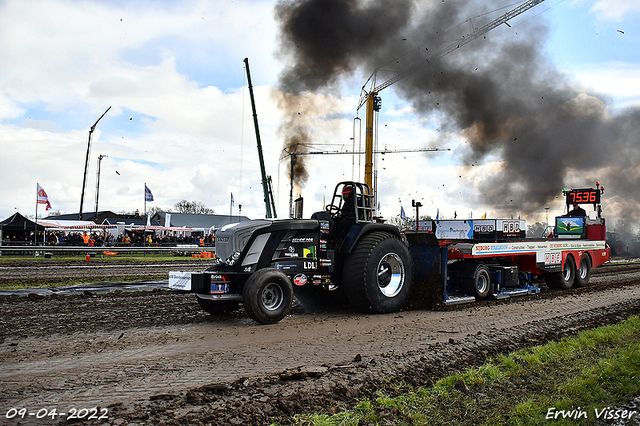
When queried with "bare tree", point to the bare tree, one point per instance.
{"points": [[536, 230], [155, 209], [193, 207], [408, 223], [623, 229]]}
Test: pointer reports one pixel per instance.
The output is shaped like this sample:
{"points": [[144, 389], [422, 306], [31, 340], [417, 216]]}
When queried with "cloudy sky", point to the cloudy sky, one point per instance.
{"points": [[180, 118]]}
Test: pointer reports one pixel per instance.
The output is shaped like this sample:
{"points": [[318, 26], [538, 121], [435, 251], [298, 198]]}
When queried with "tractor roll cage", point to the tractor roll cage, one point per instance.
{"points": [[361, 209]]}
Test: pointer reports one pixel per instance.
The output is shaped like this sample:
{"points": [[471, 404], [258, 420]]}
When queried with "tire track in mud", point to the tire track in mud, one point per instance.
{"points": [[110, 369], [156, 356]]}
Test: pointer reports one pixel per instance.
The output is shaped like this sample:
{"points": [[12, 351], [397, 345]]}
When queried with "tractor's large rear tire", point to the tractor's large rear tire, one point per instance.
{"points": [[378, 274], [583, 272], [267, 296], [563, 280], [218, 307]]}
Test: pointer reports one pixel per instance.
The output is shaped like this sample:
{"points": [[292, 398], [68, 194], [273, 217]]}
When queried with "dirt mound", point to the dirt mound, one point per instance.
{"points": [[260, 401]]}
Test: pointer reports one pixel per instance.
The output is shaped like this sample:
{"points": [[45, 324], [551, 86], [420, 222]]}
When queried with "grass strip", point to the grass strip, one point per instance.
{"points": [[576, 381], [80, 259]]}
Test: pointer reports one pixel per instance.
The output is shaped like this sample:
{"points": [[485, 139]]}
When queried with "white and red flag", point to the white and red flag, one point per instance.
{"points": [[43, 198]]}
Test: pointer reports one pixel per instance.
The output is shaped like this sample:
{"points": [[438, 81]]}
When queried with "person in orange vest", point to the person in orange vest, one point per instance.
{"points": [[85, 238]]}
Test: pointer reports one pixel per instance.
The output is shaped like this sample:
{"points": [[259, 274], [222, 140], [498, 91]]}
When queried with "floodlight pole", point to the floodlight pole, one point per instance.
{"points": [[100, 157]]}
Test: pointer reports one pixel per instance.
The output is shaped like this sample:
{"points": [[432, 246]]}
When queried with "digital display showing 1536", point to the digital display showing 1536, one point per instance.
{"points": [[583, 196]]}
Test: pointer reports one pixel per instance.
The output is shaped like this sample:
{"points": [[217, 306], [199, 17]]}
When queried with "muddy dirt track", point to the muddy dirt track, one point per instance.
{"points": [[55, 271], [155, 358]]}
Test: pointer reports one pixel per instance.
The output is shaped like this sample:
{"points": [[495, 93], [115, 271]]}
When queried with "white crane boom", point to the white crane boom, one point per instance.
{"points": [[450, 48]]}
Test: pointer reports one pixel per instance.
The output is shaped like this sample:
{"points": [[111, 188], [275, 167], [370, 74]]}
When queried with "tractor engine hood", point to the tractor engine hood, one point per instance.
{"points": [[233, 237]]}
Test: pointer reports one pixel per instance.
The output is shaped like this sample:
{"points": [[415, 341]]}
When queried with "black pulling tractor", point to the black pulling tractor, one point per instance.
{"points": [[263, 263]]}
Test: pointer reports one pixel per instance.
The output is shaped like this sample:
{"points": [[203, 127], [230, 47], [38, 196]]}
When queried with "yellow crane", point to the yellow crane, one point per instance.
{"points": [[369, 96]]}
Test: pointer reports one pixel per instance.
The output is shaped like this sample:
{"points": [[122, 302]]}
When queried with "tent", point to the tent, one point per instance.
{"points": [[72, 224], [17, 222], [18, 229]]}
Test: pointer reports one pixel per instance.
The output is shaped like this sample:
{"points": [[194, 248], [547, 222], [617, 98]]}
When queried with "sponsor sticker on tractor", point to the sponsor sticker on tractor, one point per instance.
{"points": [[219, 288]]}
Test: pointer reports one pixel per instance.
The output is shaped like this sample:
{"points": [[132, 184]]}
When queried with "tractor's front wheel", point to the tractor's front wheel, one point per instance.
{"points": [[378, 274], [267, 296]]}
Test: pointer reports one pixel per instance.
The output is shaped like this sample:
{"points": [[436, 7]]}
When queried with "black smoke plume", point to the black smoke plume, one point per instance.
{"points": [[325, 40], [294, 130], [500, 91]]}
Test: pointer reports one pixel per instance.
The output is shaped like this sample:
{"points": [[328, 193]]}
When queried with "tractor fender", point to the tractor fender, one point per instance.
{"points": [[358, 230]]}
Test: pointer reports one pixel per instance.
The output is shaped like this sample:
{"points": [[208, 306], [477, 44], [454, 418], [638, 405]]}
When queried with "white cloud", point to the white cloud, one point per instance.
{"points": [[62, 51], [8, 108], [615, 10], [620, 80]]}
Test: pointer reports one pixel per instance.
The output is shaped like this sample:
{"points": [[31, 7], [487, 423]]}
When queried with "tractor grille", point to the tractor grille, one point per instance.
{"points": [[234, 237]]}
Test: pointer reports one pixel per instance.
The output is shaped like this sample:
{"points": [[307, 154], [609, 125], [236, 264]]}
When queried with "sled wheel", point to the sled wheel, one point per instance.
{"points": [[480, 284], [267, 296], [378, 274], [564, 280], [215, 307], [583, 274]]}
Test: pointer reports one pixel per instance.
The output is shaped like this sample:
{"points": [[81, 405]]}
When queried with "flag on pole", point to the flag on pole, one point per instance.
{"points": [[232, 199], [438, 214], [484, 216], [148, 196], [43, 198], [403, 215]]}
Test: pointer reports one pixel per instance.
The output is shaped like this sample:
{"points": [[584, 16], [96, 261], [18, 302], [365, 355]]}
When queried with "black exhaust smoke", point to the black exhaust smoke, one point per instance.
{"points": [[325, 40], [500, 91]]}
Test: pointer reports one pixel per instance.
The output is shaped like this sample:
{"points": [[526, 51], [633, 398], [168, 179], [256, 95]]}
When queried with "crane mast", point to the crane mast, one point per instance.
{"points": [[86, 163], [269, 202], [372, 101]]}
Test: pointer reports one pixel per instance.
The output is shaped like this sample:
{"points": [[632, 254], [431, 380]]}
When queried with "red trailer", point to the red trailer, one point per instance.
{"points": [[492, 258]]}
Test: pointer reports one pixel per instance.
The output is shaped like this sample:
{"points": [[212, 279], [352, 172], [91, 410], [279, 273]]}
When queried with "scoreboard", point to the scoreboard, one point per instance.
{"points": [[583, 196]]}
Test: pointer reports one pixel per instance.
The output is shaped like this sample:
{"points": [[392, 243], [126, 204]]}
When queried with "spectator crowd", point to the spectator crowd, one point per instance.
{"points": [[107, 239]]}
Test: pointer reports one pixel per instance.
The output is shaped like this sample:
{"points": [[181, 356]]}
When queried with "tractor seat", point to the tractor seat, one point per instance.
{"points": [[322, 215]]}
